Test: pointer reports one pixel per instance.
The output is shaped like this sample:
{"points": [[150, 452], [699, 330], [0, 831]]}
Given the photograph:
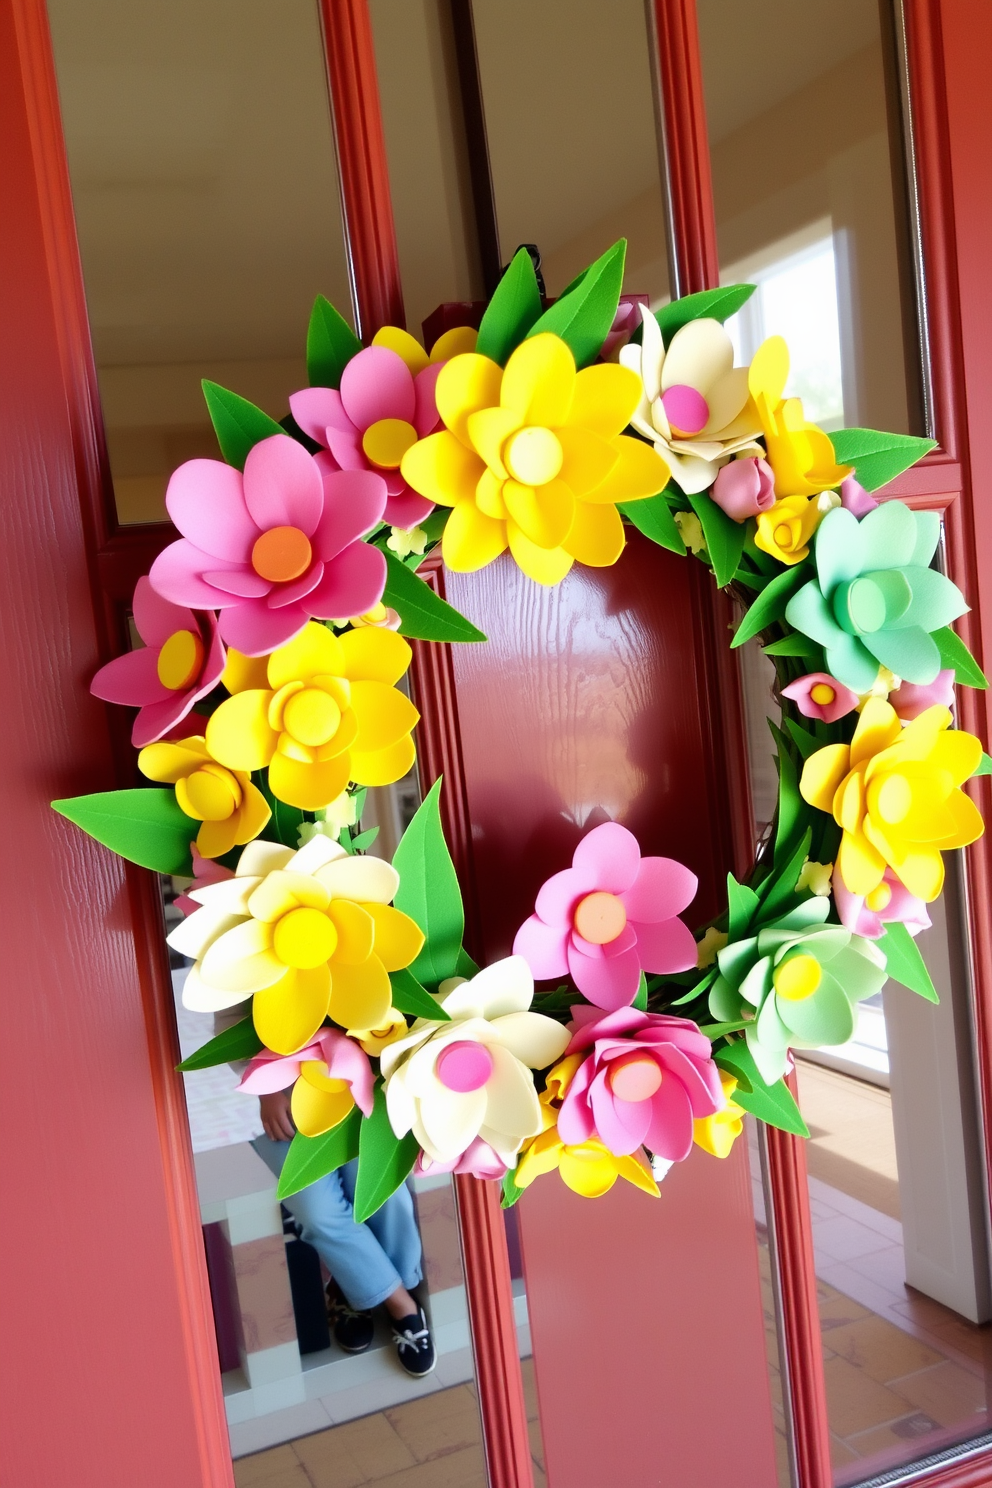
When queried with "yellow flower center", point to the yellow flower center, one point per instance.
{"points": [[797, 978], [314, 1071], [822, 693], [304, 938], [387, 441], [210, 793], [894, 799], [784, 535], [311, 717], [599, 917], [879, 898], [180, 660], [533, 456], [281, 554], [376, 615]]}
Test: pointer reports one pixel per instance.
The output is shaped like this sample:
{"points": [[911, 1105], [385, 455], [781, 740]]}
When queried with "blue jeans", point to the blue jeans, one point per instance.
{"points": [[368, 1261]]}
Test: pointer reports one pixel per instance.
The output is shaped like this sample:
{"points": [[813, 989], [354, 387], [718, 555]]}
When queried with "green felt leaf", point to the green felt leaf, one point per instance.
{"points": [[146, 826], [410, 997], [984, 766], [285, 822], [773, 1104], [510, 1193], [584, 314], [238, 424], [653, 517], [720, 1030], [779, 889], [804, 742], [237, 1042], [465, 966], [331, 344], [434, 526], [904, 963], [513, 309], [384, 1160], [797, 645], [770, 603], [954, 653], [715, 304], [790, 802], [424, 615], [362, 841], [641, 997], [310, 1158], [742, 903], [724, 537], [429, 892], [878, 457]]}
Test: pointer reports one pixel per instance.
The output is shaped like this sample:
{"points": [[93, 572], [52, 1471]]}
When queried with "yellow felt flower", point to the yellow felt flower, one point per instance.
{"points": [[785, 529], [800, 453], [225, 801], [896, 793], [374, 1040], [305, 935], [717, 1134], [588, 1168], [329, 715], [532, 458]]}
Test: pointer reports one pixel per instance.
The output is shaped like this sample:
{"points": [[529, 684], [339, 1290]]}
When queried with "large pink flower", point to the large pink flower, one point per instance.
{"points": [[181, 661], [608, 917], [275, 547], [342, 1056], [890, 902], [380, 411], [647, 1077]]}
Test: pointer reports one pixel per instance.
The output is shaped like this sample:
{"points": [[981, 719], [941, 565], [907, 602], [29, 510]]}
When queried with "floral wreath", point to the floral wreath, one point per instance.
{"points": [[269, 700]]}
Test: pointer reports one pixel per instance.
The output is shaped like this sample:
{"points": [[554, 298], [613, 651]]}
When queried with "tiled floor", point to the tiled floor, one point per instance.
{"points": [[434, 1442]]}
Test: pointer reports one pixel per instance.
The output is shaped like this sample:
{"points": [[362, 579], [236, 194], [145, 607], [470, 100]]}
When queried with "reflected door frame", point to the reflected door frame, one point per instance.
{"points": [[949, 154]]}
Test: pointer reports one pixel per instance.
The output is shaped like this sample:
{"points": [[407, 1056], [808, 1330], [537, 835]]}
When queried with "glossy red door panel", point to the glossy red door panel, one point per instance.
{"points": [[594, 697]]}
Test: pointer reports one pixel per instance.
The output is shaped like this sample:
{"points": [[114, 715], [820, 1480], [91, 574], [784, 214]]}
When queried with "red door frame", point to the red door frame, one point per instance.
{"points": [[951, 130]]}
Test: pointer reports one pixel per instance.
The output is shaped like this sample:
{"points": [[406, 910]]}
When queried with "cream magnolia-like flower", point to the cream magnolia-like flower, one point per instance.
{"points": [[306, 935], [451, 1082], [695, 406]]}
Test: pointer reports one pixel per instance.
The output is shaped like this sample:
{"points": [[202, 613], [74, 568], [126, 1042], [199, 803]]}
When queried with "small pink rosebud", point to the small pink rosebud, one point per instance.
{"points": [[744, 488], [910, 699], [855, 499], [818, 695]]}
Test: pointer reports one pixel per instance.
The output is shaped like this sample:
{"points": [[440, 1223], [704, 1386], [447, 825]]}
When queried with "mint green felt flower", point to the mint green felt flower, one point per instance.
{"points": [[798, 979], [875, 599]]}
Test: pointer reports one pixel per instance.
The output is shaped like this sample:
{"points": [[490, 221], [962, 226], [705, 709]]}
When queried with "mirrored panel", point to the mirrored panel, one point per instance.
{"points": [[202, 167], [809, 190]]}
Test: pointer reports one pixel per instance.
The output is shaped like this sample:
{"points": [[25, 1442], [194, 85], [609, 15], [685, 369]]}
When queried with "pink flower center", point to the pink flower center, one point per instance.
{"points": [[599, 917], [686, 410], [281, 554], [180, 660], [634, 1078], [464, 1066]]}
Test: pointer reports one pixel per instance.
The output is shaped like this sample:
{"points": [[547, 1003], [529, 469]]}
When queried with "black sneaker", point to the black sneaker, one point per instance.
{"points": [[352, 1327], [414, 1345]]}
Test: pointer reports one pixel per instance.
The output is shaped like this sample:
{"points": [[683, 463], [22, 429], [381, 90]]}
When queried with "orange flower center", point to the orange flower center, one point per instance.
{"points": [[599, 917], [281, 554], [634, 1078], [180, 660]]}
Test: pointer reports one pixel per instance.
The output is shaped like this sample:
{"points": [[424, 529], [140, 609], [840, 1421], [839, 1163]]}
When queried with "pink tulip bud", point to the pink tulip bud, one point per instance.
{"points": [[911, 698], [744, 488], [855, 499]]}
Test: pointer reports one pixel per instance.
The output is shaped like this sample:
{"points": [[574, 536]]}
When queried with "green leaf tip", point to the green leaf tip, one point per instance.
{"points": [[145, 825], [238, 424]]}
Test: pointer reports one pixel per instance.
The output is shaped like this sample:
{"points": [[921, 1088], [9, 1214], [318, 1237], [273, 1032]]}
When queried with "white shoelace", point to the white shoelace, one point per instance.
{"points": [[411, 1340]]}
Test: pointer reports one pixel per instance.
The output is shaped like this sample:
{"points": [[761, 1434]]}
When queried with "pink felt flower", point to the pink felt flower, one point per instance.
{"points": [[381, 410], [205, 871], [625, 322], [181, 661], [891, 901], [910, 699], [479, 1159], [608, 917], [855, 499], [744, 488], [344, 1060], [275, 547], [647, 1077], [818, 695]]}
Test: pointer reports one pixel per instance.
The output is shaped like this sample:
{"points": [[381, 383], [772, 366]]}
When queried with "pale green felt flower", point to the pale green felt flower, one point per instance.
{"points": [[796, 982], [875, 600]]}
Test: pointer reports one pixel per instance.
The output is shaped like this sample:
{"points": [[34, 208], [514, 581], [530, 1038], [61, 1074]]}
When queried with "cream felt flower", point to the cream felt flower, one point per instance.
{"points": [[307, 935], [695, 407], [452, 1082]]}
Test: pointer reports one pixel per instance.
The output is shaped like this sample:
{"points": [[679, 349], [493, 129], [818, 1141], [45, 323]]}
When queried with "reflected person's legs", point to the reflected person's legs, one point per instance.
{"points": [[368, 1264]]}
